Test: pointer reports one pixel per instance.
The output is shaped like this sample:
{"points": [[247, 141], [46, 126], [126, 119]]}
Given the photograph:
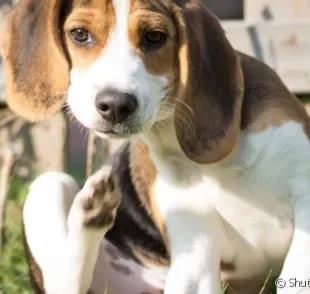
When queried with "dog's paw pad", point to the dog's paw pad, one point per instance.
{"points": [[96, 204]]}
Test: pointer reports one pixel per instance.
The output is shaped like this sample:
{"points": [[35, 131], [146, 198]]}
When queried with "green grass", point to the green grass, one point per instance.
{"points": [[13, 268]]}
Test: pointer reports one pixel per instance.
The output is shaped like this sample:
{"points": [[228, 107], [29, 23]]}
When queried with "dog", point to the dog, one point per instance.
{"points": [[212, 187]]}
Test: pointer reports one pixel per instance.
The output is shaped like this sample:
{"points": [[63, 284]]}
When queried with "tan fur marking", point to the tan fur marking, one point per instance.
{"points": [[149, 16], [144, 182], [277, 115], [98, 17]]}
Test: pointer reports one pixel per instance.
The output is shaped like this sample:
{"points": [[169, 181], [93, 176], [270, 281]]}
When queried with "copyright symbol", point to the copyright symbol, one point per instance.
{"points": [[280, 283]]}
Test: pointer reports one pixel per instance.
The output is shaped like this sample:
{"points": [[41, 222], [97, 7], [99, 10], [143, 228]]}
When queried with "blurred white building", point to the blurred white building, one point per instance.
{"points": [[275, 31]]}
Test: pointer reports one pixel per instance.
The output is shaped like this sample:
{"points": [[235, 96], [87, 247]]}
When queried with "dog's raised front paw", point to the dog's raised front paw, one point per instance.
{"points": [[96, 204]]}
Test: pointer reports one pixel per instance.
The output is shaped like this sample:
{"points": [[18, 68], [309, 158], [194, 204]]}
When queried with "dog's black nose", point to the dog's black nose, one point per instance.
{"points": [[115, 106]]}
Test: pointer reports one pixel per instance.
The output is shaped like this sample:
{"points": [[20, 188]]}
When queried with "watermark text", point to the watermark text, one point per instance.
{"points": [[292, 283]]}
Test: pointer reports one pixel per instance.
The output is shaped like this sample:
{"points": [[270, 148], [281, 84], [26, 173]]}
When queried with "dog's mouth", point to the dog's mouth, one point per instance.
{"points": [[112, 135], [118, 131]]}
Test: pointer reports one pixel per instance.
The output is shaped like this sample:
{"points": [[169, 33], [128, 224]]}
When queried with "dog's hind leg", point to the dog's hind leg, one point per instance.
{"points": [[45, 213], [63, 228]]}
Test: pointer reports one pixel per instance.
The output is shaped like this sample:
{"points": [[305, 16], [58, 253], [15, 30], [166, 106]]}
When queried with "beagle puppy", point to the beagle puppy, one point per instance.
{"points": [[212, 186]]}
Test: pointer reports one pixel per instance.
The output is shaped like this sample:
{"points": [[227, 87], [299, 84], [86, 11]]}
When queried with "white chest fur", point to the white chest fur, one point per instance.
{"points": [[245, 200]]}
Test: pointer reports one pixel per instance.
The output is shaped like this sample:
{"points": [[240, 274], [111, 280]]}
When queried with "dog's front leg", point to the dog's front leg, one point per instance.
{"points": [[295, 275], [190, 231], [195, 257], [91, 216]]}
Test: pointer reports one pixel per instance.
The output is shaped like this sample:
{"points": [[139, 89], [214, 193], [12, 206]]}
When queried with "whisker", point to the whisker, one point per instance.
{"points": [[59, 94], [185, 116], [178, 107], [187, 110], [86, 135], [186, 105], [182, 102], [170, 124], [181, 122], [68, 113], [181, 119]]}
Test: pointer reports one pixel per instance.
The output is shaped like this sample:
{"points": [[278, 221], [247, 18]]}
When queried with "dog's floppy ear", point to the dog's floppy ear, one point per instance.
{"points": [[36, 67], [211, 86]]}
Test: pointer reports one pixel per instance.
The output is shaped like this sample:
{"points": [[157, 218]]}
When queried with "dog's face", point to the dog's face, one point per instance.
{"points": [[124, 61], [123, 65]]}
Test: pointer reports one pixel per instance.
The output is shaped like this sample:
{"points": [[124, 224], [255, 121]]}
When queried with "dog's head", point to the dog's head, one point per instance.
{"points": [[123, 65]]}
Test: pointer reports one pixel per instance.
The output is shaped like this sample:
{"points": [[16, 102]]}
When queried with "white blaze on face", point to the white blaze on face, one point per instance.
{"points": [[118, 68]]}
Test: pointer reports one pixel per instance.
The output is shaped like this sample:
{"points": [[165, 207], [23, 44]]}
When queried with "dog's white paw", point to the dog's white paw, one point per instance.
{"points": [[95, 206]]}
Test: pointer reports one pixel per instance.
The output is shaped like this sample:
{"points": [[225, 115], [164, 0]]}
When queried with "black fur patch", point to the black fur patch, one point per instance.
{"points": [[133, 228]]}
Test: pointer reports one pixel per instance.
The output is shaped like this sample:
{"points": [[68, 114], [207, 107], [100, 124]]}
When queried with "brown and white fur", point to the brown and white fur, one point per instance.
{"points": [[214, 182]]}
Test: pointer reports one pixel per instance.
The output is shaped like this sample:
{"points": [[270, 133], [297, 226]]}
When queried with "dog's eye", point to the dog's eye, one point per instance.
{"points": [[153, 40], [81, 36]]}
